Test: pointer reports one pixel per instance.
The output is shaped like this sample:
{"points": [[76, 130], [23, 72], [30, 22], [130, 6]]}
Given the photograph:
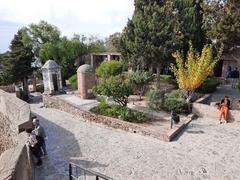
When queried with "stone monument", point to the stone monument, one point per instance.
{"points": [[86, 81], [52, 79]]}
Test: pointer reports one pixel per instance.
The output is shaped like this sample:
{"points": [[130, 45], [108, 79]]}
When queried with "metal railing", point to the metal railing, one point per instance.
{"points": [[76, 172]]}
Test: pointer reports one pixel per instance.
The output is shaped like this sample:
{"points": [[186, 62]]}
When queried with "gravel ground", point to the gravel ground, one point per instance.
{"points": [[206, 150]]}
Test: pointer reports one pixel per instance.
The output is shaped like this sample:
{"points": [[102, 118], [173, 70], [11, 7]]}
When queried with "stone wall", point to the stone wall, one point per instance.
{"points": [[207, 111], [7, 135], [15, 162], [57, 103], [8, 88]]}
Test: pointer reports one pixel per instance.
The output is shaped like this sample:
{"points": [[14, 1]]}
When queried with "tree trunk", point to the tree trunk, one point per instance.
{"points": [[151, 69], [158, 78], [34, 84], [25, 89], [189, 96], [64, 82]]}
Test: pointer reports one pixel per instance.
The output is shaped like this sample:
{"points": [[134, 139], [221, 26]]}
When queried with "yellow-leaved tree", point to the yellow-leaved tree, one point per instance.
{"points": [[193, 71]]}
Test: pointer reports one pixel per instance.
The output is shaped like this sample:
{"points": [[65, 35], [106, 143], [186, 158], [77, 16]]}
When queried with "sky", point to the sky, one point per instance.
{"points": [[88, 17]]}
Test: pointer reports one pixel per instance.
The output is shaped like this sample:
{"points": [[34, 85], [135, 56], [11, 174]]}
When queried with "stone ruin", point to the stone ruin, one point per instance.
{"points": [[86, 80], [52, 79]]}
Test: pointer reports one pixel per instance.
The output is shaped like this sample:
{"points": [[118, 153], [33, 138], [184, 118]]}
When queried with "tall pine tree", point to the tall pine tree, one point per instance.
{"points": [[227, 29], [151, 36], [190, 18], [18, 62]]}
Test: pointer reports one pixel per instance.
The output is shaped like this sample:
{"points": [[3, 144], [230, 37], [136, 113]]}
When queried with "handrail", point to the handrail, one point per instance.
{"points": [[77, 174]]}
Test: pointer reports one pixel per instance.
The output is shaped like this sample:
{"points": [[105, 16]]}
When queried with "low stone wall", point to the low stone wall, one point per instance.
{"points": [[15, 162], [204, 99], [8, 88], [16, 110], [57, 103], [207, 111]]}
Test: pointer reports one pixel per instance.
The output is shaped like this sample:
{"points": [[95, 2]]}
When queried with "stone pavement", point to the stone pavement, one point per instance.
{"points": [[85, 104], [206, 150]]}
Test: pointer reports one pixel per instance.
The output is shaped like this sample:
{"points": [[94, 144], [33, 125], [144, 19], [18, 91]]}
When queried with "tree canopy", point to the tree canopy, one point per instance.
{"points": [[226, 26], [17, 63]]}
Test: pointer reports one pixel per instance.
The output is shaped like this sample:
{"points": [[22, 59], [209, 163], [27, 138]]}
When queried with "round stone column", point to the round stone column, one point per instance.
{"points": [[86, 81]]}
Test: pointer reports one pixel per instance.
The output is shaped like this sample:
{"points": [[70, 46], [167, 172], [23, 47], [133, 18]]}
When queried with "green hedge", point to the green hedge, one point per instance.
{"points": [[73, 81], [209, 86]]}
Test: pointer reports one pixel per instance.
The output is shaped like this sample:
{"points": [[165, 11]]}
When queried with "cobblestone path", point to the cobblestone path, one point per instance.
{"points": [[206, 150]]}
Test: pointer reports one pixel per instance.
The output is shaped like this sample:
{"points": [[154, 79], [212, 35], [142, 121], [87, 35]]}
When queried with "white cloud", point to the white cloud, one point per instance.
{"points": [[100, 17], [96, 11]]}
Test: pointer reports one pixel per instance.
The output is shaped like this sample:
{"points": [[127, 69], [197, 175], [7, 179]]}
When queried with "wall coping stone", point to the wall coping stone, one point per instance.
{"points": [[61, 104]]}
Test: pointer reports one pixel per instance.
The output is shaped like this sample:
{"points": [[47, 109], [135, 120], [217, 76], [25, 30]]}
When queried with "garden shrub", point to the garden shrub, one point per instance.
{"points": [[109, 68], [73, 81], [209, 86], [175, 94], [139, 81], [121, 112], [23, 94], [114, 87], [166, 78], [178, 105], [173, 101], [155, 99], [40, 88]]}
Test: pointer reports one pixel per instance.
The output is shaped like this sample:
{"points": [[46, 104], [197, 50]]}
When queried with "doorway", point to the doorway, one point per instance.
{"points": [[218, 69], [55, 82]]}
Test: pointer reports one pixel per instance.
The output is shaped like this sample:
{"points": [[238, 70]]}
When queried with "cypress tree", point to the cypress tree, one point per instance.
{"points": [[190, 17], [18, 62], [151, 35], [227, 29]]}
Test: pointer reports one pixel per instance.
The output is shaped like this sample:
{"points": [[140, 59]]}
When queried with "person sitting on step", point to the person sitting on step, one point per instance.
{"points": [[224, 107]]}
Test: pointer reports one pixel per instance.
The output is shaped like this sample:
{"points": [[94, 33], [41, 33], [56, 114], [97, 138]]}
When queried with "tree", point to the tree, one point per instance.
{"points": [[112, 42], [116, 88], [191, 72], [190, 19], [5, 69], [65, 52], [140, 80], [95, 44], [126, 44], [150, 37], [226, 28], [35, 35], [18, 62]]}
